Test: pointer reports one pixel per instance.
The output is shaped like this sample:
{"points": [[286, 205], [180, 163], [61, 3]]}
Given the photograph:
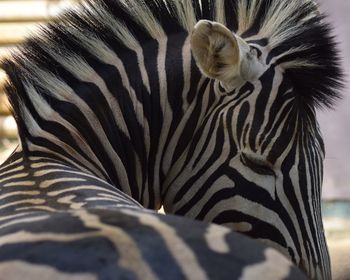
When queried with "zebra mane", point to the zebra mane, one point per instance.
{"points": [[294, 31]]}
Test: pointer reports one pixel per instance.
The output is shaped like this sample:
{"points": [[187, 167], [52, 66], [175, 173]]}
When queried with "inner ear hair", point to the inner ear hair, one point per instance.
{"points": [[216, 51]]}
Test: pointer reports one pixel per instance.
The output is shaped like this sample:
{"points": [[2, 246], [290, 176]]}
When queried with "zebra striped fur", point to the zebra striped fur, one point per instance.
{"points": [[111, 89], [59, 223]]}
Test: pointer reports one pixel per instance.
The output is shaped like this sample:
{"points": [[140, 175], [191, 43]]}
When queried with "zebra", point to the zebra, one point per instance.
{"points": [[205, 107], [107, 235]]}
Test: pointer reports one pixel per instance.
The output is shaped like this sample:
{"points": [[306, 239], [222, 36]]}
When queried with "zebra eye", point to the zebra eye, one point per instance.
{"points": [[258, 166]]}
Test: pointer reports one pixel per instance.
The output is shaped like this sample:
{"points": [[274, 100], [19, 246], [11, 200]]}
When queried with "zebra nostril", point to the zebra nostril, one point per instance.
{"points": [[258, 165]]}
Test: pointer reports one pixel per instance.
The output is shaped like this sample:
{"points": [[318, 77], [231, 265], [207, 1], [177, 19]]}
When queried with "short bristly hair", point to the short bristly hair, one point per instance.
{"points": [[294, 31]]}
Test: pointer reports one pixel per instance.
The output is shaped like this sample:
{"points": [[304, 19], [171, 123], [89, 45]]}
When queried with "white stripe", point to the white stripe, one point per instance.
{"points": [[19, 193], [130, 257], [167, 114], [215, 237], [13, 170], [17, 270], [23, 221], [25, 201], [180, 251], [257, 211], [13, 177], [48, 183], [275, 267]]}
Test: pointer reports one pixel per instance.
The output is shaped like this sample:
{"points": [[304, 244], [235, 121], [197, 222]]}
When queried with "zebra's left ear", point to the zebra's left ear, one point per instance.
{"points": [[222, 55]]}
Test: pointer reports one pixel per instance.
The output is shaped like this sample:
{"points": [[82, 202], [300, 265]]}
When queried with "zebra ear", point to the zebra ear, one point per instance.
{"points": [[222, 55], [215, 50]]}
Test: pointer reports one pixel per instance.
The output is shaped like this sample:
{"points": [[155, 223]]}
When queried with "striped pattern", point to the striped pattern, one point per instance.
{"points": [[111, 90], [60, 223], [17, 19]]}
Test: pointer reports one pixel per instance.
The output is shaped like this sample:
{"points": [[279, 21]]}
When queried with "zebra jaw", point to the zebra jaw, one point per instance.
{"points": [[224, 56]]}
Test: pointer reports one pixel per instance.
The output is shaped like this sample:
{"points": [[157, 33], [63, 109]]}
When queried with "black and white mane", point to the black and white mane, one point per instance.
{"points": [[295, 30]]}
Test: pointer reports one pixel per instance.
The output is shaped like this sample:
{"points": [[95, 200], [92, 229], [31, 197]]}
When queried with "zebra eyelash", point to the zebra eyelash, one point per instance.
{"points": [[258, 166]]}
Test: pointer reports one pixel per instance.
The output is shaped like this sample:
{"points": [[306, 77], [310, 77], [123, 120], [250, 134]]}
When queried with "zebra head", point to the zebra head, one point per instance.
{"points": [[255, 161]]}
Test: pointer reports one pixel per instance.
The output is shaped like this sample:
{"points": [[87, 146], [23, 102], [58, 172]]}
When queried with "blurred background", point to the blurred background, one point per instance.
{"points": [[335, 126], [18, 17]]}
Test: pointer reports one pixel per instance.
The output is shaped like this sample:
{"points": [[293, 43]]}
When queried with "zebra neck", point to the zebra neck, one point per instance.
{"points": [[114, 114]]}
